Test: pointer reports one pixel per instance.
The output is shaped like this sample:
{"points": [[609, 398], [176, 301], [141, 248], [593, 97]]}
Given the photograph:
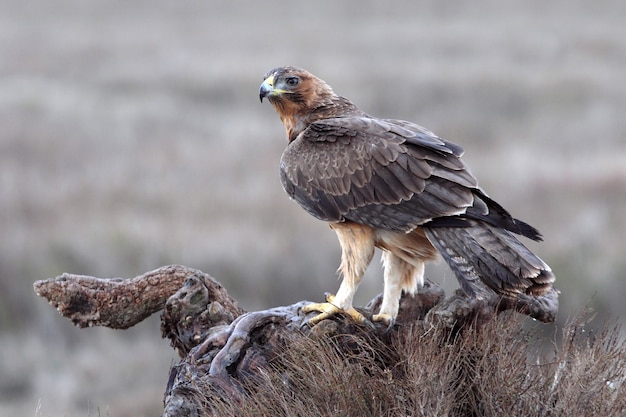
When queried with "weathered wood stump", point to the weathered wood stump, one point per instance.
{"points": [[224, 349]]}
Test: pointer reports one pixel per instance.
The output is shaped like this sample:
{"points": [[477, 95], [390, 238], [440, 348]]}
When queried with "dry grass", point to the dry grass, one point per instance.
{"points": [[495, 372]]}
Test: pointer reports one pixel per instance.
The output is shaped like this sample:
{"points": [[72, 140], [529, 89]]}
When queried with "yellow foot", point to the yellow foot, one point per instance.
{"points": [[329, 309], [385, 318]]}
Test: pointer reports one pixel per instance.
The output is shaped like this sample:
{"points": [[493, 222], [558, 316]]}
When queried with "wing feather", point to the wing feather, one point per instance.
{"points": [[389, 174]]}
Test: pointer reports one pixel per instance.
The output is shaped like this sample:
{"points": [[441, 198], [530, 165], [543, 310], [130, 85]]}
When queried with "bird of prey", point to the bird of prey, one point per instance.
{"points": [[394, 185]]}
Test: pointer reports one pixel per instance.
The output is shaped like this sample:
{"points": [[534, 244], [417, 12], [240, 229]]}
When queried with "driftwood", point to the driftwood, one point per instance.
{"points": [[222, 347]]}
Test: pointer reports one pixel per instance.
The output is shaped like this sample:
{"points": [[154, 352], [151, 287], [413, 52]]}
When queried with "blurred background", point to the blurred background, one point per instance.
{"points": [[131, 137]]}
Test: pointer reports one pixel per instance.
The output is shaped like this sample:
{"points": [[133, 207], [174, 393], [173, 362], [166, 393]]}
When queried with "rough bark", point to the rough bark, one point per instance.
{"points": [[117, 303], [223, 348], [198, 311]]}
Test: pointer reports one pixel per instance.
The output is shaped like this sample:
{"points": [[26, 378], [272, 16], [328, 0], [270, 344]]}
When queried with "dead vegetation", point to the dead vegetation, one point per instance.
{"points": [[496, 371], [266, 363]]}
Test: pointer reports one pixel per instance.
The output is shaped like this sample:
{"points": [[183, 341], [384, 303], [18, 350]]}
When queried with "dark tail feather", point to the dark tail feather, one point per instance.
{"points": [[492, 255], [488, 210]]}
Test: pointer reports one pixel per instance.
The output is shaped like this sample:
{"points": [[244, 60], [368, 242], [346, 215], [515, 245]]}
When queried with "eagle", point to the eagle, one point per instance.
{"points": [[394, 185]]}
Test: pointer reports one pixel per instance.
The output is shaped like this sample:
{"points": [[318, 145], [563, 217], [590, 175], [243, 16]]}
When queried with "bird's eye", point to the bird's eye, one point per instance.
{"points": [[292, 81]]}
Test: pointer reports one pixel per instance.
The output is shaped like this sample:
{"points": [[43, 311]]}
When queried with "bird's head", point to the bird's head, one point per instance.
{"points": [[301, 98], [292, 89]]}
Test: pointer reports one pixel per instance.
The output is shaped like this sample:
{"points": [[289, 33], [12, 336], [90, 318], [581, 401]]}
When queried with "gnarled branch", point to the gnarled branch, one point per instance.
{"points": [[223, 348], [120, 303]]}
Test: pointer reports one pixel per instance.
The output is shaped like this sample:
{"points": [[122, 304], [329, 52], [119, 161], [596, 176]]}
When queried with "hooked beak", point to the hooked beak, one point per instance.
{"points": [[267, 88]]}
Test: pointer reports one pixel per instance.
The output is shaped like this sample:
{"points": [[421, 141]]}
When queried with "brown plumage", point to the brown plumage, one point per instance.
{"points": [[394, 185]]}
